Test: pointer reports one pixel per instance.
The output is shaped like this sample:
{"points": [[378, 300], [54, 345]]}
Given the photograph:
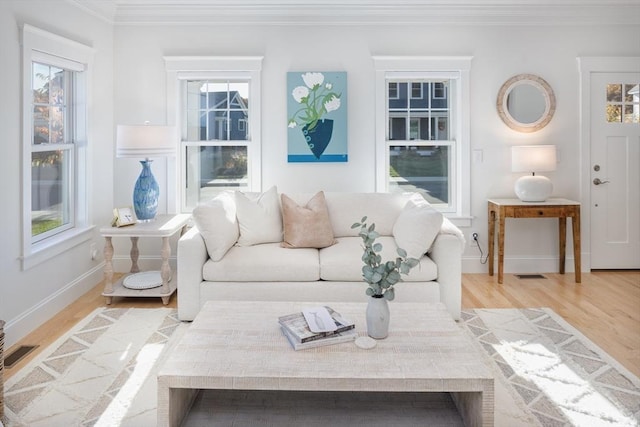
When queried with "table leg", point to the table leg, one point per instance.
{"points": [[492, 237], [108, 268], [575, 225], [562, 241], [165, 270], [134, 254], [501, 221]]}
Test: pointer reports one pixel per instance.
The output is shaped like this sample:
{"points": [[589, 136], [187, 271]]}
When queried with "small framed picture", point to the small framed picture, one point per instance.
{"points": [[123, 216]]}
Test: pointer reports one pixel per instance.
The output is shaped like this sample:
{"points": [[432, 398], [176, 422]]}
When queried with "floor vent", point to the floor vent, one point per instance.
{"points": [[530, 276], [16, 355]]}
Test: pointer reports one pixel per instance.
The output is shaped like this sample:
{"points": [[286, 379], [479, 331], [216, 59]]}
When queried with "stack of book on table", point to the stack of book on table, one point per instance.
{"points": [[316, 327]]}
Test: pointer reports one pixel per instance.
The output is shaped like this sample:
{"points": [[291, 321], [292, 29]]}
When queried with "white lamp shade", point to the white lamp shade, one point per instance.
{"points": [[145, 141], [533, 158]]}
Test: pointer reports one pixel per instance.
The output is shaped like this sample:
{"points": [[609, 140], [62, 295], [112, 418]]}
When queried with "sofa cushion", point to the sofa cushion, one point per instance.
{"points": [[259, 217], [380, 208], [343, 261], [417, 227], [306, 226], [216, 220], [267, 262]]}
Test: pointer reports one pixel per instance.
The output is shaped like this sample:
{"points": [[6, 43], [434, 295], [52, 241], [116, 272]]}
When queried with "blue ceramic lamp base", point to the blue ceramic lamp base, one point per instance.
{"points": [[145, 194]]}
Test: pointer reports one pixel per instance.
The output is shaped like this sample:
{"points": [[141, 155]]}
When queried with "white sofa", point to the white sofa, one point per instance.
{"points": [[271, 272]]}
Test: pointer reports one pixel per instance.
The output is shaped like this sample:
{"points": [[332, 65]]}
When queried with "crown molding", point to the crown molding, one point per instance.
{"points": [[364, 12]]}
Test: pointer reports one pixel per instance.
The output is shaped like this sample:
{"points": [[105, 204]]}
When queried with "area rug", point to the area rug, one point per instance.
{"points": [[102, 372]]}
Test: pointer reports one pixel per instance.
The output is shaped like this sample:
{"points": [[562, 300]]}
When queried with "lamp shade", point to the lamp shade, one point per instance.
{"points": [[533, 158], [145, 141]]}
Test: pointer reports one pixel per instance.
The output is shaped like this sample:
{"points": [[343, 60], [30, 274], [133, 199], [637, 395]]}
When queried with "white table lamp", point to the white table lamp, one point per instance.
{"points": [[144, 141], [533, 159]]}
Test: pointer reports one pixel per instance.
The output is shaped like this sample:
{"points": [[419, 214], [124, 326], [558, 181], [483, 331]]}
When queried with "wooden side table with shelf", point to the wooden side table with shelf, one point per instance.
{"points": [[500, 209], [164, 226]]}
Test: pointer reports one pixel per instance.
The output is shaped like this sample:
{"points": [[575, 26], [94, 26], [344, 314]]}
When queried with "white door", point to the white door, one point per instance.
{"points": [[615, 170]]}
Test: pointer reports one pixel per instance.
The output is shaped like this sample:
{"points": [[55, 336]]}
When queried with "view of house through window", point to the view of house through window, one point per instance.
{"points": [[52, 150], [217, 137], [418, 137]]}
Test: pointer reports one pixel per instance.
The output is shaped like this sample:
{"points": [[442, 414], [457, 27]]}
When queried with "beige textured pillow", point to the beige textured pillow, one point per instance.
{"points": [[306, 226], [216, 221], [259, 218], [417, 227]]}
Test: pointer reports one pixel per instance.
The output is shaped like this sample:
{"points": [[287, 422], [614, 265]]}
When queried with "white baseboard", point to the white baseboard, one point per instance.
{"points": [[472, 264], [17, 328]]}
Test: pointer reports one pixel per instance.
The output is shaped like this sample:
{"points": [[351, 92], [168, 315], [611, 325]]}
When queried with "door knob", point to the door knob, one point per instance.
{"points": [[597, 181]]}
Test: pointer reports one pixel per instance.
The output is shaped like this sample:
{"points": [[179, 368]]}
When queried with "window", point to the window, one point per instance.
{"points": [[623, 103], [55, 90], [416, 90], [422, 136], [52, 150], [393, 91], [439, 90], [217, 111]]}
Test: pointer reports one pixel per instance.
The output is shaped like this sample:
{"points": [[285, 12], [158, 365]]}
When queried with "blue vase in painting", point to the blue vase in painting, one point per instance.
{"points": [[319, 136]]}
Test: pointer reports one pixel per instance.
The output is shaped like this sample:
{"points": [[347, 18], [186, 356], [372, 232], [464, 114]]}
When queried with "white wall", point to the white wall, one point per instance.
{"points": [[27, 298], [499, 52]]}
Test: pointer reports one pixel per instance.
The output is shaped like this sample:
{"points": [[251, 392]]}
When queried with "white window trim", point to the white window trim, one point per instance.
{"points": [[36, 44], [426, 66], [181, 68]]}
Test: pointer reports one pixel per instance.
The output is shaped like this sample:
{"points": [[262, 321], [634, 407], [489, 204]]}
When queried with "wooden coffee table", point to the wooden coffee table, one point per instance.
{"points": [[239, 346]]}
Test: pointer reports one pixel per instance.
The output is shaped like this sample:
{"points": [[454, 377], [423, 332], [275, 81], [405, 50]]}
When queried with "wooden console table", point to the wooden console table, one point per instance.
{"points": [[500, 209], [164, 226]]}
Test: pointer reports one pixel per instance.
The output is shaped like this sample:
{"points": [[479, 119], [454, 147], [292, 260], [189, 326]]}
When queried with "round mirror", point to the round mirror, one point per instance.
{"points": [[526, 103]]}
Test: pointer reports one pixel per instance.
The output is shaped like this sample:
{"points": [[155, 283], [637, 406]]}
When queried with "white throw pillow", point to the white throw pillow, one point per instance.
{"points": [[417, 227], [259, 218], [217, 223]]}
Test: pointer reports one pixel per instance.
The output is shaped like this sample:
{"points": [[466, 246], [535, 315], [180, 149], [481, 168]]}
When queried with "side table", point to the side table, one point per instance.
{"points": [[164, 226], [500, 209]]}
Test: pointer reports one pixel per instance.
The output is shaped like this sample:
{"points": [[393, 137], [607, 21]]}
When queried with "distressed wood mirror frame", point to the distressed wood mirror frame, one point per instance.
{"points": [[542, 93]]}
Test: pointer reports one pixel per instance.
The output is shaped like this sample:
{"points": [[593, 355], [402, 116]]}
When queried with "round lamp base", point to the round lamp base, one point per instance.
{"points": [[534, 188]]}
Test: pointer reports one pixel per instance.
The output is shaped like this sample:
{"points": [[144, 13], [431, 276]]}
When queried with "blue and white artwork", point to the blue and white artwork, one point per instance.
{"points": [[317, 116]]}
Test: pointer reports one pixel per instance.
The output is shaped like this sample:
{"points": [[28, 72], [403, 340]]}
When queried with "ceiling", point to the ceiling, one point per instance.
{"points": [[364, 12]]}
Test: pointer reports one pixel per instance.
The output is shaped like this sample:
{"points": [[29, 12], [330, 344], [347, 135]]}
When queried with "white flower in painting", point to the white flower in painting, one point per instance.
{"points": [[332, 104], [299, 93], [328, 86], [292, 123], [313, 79]]}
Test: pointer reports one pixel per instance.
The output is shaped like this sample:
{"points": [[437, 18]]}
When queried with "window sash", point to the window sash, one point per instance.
{"points": [[56, 217]]}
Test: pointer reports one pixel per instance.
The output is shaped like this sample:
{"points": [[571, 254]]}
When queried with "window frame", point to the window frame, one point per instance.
{"points": [[50, 49], [420, 89], [181, 69], [455, 68]]}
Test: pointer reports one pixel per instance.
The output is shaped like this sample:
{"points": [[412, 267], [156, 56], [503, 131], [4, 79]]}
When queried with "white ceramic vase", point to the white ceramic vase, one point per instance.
{"points": [[377, 318]]}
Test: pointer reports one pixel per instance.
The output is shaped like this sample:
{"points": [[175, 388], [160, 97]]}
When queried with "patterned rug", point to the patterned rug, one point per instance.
{"points": [[102, 372]]}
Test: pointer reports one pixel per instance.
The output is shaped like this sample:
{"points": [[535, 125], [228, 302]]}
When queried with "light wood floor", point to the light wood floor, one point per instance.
{"points": [[605, 307]]}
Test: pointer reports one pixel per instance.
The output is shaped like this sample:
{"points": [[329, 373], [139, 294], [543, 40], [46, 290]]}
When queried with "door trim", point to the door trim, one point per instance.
{"points": [[588, 65]]}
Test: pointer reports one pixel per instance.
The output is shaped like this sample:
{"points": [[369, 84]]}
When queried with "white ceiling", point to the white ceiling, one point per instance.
{"points": [[367, 12]]}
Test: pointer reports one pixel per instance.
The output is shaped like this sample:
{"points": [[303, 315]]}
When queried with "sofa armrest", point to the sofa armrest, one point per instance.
{"points": [[446, 252], [192, 254]]}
